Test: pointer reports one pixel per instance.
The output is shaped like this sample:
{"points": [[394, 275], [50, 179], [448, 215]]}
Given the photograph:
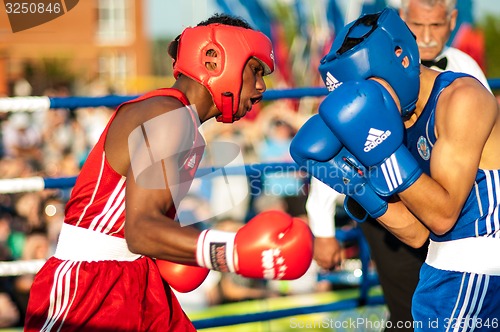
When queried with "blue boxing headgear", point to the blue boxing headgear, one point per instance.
{"points": [[376, 45]]}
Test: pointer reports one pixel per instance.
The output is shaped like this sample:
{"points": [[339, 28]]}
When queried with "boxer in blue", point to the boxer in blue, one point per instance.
{"points": [[418, 150]]}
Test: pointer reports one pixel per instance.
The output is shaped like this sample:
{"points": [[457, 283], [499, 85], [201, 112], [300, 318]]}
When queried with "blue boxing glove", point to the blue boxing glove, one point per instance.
{"points": [[366, 120], [316, 149]]}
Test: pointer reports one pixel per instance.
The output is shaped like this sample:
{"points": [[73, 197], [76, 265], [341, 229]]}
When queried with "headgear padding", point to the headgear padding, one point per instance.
{"points": [[233, 47], [367, 48]]}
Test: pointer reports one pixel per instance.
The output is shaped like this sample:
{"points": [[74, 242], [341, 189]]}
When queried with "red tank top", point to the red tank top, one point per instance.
{"points": [[98, 198]]}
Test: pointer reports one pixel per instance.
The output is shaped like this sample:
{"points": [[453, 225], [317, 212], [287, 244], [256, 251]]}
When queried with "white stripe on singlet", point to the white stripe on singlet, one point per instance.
{"points": [[496, 193], [480, 205], [115, 217], [109, 213], [95, 189], [111, 205], [491, 202]]}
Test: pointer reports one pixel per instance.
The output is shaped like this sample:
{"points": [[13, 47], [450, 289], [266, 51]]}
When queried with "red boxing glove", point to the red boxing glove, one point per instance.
{"points": [[182, 278], [272, 245]]}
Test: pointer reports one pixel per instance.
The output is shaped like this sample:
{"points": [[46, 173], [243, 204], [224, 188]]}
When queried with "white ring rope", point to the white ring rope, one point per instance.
{"points": [[18, 268], [24, 104], [11, 186]]}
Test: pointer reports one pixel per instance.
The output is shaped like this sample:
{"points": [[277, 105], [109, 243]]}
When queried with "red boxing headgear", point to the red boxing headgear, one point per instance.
{"points": [[234, 47]]}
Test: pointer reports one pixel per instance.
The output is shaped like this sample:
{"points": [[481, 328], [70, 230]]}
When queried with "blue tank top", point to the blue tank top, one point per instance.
{"points": [[480, 213]]}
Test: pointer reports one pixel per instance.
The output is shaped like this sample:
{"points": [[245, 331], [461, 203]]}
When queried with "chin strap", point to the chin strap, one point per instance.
{"points": [[227, 115]]}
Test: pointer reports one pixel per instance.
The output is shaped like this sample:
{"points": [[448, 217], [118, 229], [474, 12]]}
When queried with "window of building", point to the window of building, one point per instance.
{"points": [[114, 21], [114, 68]]}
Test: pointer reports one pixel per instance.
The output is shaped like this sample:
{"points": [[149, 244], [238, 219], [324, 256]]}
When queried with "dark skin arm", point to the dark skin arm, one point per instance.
{"points": [[148, 231]]}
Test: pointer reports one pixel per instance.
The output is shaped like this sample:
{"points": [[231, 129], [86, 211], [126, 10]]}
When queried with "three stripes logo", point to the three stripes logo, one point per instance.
{"points": [[392, 174], [375, 137], [331, 82], [192, 161], [390, 167]]}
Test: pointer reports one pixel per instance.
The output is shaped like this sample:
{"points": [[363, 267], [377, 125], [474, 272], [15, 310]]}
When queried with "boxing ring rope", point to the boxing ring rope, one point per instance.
{"points": [[32, 104], [253, 171], [37, 183]]}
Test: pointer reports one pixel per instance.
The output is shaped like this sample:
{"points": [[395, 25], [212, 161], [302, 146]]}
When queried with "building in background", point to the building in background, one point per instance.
{"points": [[97, 41]]}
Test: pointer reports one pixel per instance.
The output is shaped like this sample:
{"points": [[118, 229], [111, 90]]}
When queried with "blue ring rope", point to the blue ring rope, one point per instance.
{"points": [[115, 100], [252, 171]]}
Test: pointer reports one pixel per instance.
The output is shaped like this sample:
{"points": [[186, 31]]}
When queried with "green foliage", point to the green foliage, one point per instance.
{"points": [[491, 29], [48, 74], [162, 63]]}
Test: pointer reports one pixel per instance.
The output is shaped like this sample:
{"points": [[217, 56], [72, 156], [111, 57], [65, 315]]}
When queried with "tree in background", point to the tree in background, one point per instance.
{"points": [[490, 26]]}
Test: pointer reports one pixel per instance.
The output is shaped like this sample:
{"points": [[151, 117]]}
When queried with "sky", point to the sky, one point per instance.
{"points": [[167, 18], [170, 17]]}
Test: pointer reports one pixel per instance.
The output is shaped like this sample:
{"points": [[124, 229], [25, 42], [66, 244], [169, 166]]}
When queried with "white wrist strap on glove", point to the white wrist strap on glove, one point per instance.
{"points": [[215, 251], [320, 208]]}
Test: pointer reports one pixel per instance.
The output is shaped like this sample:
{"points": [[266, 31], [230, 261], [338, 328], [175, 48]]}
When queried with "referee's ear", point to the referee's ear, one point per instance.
{"points": [[453, 19]]}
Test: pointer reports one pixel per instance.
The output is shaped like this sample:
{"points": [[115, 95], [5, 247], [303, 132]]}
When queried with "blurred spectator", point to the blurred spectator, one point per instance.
{"points": [[63, 137], [5, 231], [21, 139], [9, 313], [15, 168], [22, 88], [9, 310], [28, 206], [270, 202], [36, 247], [93, 120], [12, 241], [63, 140], [53, 218], [279, 125], [229, 195], [307, 284], [195, 210]]}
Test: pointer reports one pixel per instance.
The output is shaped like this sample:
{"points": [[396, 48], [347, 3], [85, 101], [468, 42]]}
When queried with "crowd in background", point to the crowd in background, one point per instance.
{"points": [[46, 143], [55, 143]]}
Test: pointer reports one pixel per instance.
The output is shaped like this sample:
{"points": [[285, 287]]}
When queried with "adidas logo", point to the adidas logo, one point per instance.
{"points": [[375, 137], [331, 82], [192, 161]]}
